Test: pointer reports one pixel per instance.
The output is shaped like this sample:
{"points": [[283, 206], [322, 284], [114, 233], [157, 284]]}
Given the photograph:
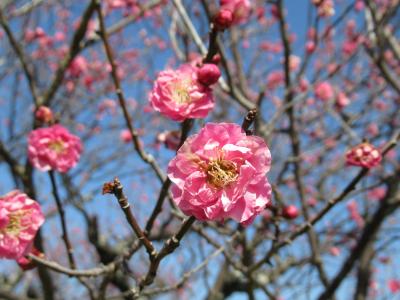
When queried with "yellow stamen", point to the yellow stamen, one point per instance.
{"points": [[57, 146], [221, 173]]}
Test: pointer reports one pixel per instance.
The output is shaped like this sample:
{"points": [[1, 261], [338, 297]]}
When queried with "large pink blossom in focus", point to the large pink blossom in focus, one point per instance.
{"points": [[220, 173], [178, 94], [240, 9], [20, 219], [53, 148]]}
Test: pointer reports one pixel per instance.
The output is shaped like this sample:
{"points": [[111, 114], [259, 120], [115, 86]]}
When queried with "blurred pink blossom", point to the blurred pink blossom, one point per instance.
{"points": [[53, 148], [20, 219]]}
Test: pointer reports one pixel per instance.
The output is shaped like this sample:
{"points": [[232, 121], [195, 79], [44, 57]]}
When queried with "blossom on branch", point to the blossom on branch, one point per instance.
{"points": [[240, 9], [178, 95], [220, 173], [20, 219], [53, 148], [363, 155]]}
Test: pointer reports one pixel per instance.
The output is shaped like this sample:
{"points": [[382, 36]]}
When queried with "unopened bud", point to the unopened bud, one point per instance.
{"points": [[223, 19], [208, 74]]}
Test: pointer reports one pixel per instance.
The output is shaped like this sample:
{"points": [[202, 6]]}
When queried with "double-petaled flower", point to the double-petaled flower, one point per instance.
{"points": [[220, 173]]}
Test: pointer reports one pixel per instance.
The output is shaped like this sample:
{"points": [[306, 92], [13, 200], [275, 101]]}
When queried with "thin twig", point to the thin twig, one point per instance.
{"points": [[115, 187], [61, 212]]}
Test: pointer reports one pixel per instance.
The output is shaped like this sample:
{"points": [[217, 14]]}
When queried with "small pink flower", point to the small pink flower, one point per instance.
{"points": [[363, 155], [359, 5], [78, 66], [325, 7], [394, 285], [208, 74], [125, 136], [310, 47], [178, 95], [220, 173], [44, 114], [324, 91], [20, 219], [335, 251], [294, 62], [53, 148], [275, 79], [240, 8]]}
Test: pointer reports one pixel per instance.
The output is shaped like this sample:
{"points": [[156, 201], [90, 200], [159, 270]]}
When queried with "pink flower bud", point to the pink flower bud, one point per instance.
{"points": [[208, 74], [335, 251], [310, 47], [324, 91], [26, 263], [126, 136], [363, 155], [290, 212], [223, 19], [359, 5], [44, 114]]}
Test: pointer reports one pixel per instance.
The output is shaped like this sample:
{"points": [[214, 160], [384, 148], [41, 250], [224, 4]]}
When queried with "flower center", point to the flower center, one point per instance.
{"points": [[180, 92], [14, 225], [221, 173], [57, 146]]}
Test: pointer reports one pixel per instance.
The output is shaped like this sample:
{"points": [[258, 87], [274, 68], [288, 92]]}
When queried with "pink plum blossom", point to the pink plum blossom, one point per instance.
{"points": [[78, 66], [125, 136], [325, 7], [177, 94], [220, 173], [53, 148], [240, 8], [20, 219], [394, 285], [324, 91], [294, 62], [275, 79], [363, 155]]}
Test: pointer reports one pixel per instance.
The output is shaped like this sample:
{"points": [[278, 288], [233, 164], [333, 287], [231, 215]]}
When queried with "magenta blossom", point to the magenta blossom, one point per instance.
{"points": [[363, 155], [220, 173], [20, 219], [178, 94], [53, 148]]}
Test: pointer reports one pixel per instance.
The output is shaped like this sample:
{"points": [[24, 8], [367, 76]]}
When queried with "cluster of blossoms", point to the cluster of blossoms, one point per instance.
{"points": [[363, 155], [53, 148], [20, 219], [220, 173]]}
